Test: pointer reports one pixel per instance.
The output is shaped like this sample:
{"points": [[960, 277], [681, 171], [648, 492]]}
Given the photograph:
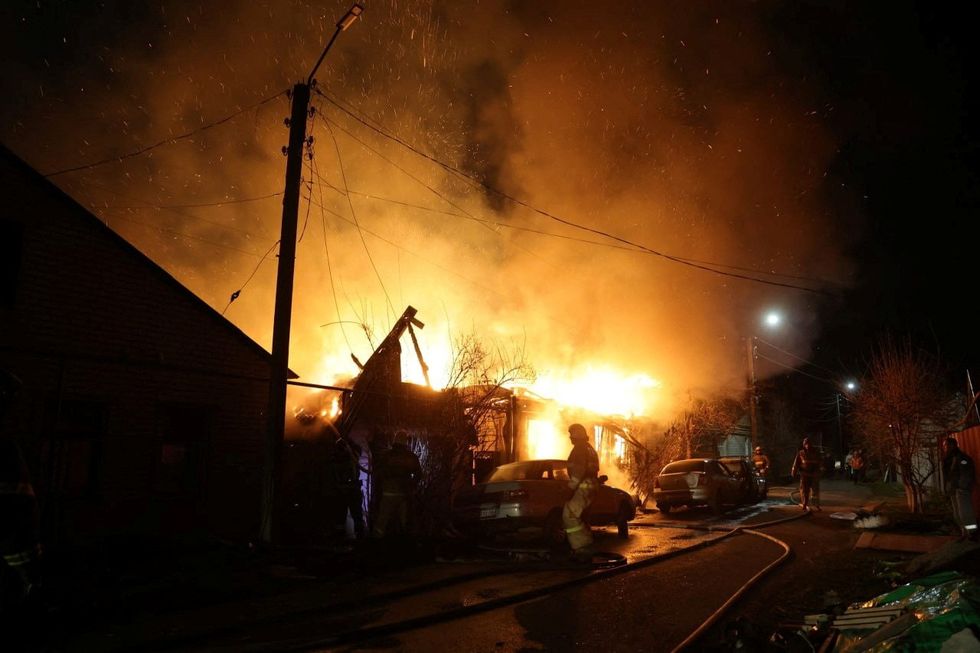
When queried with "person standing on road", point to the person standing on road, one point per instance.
{"points": [[959, 477], [761, 462], [808, 465], [398, 471], [583, 472], [858, 466]]}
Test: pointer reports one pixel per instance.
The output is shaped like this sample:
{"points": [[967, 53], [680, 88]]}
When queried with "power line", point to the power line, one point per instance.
{"points": [[167, 141], [401, 248], [464, 215], [367, 251], [186, 235], [145, 204], [238, 292], [797, 371], [791, 355], [243, 200], [326, 249], [706, 266], [463, 212]]}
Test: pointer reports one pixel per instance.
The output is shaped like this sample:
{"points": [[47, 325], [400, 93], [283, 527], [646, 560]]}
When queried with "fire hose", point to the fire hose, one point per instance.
{"points": [[362, 634]]}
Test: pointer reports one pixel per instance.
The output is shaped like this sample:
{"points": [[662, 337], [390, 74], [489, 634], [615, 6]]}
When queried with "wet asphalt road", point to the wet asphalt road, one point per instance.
{"points": [[651, 609]]}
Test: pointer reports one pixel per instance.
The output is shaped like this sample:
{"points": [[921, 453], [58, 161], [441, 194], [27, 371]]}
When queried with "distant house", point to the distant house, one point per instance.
{"points": [[142, 408]]}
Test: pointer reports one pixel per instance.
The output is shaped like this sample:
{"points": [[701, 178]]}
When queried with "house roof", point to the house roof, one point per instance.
{"points": [[95, 223]]}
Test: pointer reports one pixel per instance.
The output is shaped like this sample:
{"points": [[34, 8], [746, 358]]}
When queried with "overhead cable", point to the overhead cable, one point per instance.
{"points": [[166, 141], [706, 266]]}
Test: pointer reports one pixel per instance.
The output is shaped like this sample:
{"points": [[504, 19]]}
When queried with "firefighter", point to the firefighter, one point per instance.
{"points": [[959, 477], [20, 546], [397, 473], [348, 472], [583, 472], [761, 462], [808, 465]]}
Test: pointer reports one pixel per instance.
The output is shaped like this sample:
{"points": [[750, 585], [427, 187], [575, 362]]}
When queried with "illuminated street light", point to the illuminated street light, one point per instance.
{"points": [[771, 320], [851, 385]]}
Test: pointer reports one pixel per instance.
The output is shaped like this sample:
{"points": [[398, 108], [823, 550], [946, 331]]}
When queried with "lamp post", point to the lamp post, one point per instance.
{"points": [[771, 320], [279, 368], [850, 386]]}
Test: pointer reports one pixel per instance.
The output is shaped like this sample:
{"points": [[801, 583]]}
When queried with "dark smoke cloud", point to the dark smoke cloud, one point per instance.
{"points": [[679, 126]]}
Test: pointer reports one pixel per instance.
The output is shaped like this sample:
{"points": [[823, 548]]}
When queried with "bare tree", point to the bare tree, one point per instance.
{"points": [[469, 404], [696, 430], [902, 411]]}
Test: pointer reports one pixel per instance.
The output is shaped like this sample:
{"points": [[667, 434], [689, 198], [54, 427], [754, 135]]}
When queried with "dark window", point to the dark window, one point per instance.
{"points": [[11, 243], [71, 454], [185, 434]]}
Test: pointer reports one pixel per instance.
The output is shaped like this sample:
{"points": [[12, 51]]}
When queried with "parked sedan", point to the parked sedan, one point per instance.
{"points": [[530, 494], [696, 482], [755, 487]]}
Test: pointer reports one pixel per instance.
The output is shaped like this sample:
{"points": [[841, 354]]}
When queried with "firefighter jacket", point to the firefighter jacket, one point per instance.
{"points": [[398, 470], [807, 463], [583, 462], [761, 462], [959, 472], [19, 515]]}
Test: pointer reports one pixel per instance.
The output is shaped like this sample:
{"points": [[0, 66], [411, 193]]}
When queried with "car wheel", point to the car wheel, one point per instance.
{"points": [[663, 507], [623, 520], [554, 529]]}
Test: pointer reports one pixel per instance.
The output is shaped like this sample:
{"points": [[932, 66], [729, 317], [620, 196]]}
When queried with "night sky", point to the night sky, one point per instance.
{"points": [[828, 148]]}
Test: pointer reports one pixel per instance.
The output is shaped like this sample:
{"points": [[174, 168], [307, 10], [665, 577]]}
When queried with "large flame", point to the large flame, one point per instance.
{"points": [[596, 388], [601, 390]]}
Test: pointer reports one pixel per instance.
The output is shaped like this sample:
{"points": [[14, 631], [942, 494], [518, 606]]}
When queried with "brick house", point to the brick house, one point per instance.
{"points": [[142, 408]]}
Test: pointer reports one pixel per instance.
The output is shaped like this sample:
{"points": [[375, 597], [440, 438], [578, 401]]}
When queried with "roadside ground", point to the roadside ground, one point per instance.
{"points": [[827, 571], [125, 594]]}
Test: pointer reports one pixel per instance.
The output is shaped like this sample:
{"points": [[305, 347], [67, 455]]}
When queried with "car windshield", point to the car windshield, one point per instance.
{"points": [[530, 471], [734, 466], [683, 467]]}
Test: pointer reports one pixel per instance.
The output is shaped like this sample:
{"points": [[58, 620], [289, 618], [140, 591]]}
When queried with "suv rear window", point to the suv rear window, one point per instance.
{"points": [[527, 472], [683, 467]]}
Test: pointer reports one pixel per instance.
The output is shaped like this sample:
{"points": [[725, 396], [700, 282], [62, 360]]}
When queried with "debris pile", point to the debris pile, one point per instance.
{"points": [[938, 612]]}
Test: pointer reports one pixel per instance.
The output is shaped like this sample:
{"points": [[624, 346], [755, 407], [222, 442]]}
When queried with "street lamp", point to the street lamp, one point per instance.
{"points": [[279, 369], [850, 386]]}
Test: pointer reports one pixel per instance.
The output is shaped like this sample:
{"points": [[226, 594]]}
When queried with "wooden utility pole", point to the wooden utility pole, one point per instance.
{"points": [[279, 369], [272, 470]]}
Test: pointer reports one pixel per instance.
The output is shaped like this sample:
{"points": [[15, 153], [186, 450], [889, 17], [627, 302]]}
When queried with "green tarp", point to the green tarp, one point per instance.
{"points": [[937, 607]]}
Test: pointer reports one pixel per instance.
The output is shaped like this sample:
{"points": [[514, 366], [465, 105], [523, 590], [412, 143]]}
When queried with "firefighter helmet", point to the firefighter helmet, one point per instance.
{"points": [[577, 432], [758, 449]]}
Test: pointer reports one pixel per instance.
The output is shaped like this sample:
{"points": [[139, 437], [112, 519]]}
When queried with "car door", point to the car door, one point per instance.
{"points": [[727, 486]]}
